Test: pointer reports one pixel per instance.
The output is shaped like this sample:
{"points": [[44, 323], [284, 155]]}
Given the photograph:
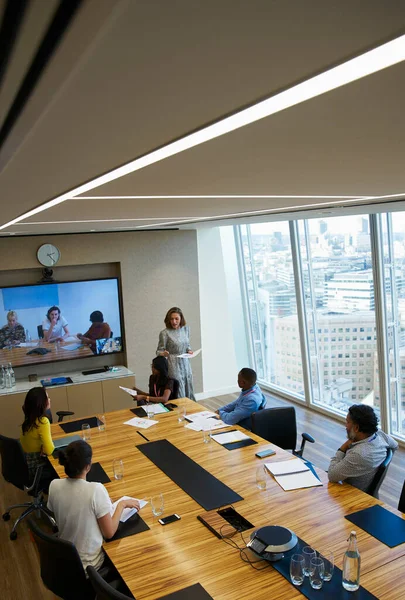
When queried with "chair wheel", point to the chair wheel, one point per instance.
{"points": [[13, 535], [6, 517]]}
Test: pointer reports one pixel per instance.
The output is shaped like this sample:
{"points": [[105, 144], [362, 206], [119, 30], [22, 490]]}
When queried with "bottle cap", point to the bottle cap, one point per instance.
{"points": [[353, 533]]}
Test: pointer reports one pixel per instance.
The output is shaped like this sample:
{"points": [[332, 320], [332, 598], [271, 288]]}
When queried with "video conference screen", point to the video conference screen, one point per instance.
{"points": [[59, 321]]}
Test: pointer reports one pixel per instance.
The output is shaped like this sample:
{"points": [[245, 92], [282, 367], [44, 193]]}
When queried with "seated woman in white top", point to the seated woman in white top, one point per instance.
{"points": [[55, 325], [82, 508]]}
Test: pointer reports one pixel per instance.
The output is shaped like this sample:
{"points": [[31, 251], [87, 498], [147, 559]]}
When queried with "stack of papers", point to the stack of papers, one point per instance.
{"points": [[204, 421], [189, 354], [141, 423], [156, 409], [230, 437], [292, 474], [127, 512], [128, 390]]}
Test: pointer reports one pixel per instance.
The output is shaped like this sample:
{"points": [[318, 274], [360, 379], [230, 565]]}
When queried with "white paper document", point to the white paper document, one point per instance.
{"points": [[204, 414], [128, 390], [156, 409], [189, 354], [72, 346], [230, 437], [286, 467], [296, 481], [127, 512], [141, 423]]}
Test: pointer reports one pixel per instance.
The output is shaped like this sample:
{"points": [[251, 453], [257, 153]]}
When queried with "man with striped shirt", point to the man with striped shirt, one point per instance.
{"points": [[358, 459]]}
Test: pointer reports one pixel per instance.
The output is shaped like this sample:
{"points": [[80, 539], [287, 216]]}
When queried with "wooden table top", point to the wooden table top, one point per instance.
{"points": [[165, 559], [19, 357]]}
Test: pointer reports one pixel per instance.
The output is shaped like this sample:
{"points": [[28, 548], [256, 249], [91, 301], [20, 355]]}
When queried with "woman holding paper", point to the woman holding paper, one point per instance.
{"points": [[173, 341], [161, 386], [83, 508]]}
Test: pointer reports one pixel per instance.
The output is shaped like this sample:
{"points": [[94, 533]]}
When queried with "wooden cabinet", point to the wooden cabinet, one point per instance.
{"points": [[113, 397], [85, 399], [59, 401], [12, 414]]}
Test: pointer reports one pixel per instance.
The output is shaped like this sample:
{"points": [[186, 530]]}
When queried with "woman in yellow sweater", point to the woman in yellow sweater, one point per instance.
{"points": [[36, 439]]}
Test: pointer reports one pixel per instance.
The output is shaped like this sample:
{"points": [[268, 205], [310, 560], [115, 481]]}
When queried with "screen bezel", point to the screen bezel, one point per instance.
{"points": [[121, 317]]}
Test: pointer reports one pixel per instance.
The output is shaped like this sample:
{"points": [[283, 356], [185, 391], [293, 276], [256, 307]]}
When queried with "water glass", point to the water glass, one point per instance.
{"points": [[297, 569], [181, 413], [316, 573], [261, 477], [118, 468], [149, 410], [157, 504], [308, 553], [328, 564], [206, 434], [86, 432], [101, 422]]}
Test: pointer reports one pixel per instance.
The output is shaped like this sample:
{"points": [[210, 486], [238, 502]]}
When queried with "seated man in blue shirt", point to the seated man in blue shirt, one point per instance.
{"points": [[250, 400]]}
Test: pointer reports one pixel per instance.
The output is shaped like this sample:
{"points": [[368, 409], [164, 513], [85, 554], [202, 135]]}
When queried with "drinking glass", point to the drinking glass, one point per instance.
{"points": [[328, 564], [158, 504], [118, 468], [297, 569], [206, 434], [101, 422], [308, 553], [181, 413], [149, 410], [316, 573], [261, 477], [86, 433]]}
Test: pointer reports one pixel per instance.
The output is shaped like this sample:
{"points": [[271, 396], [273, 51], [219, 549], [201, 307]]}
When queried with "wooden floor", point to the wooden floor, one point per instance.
{"points": [[19, 566]]}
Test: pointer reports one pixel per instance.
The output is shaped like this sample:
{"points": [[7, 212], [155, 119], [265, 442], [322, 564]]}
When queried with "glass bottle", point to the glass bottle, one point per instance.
{"points": [[7, 378], [28, 338], [12, 375], [2, 377], [351, 565]]}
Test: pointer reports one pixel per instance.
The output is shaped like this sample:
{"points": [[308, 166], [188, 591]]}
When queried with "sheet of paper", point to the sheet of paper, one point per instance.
{"points": [[206, 424], [193, 426], [204, 414], [127, 512], [230, 437], [296, 481], [189, 355], [157, 409], [286, 467], [141, 423], [73, 346], [128, 390]]}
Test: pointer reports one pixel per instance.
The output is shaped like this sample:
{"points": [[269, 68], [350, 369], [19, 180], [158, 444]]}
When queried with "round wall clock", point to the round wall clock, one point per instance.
{"points": [[48, 255]]}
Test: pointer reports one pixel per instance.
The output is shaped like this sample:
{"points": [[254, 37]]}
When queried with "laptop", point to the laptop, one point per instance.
{"points": [[65, 441]]}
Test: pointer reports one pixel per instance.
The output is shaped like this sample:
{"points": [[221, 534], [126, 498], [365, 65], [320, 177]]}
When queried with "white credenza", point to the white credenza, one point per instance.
{"points": [[87, 395]]}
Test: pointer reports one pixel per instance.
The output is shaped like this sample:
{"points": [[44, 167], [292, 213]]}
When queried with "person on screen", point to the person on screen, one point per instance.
{"points": [[161, 386], [97, 331], [249, 401], [55, 325], [175, 340], [359, 457], [13, 333], [36, 439], [82, 508]]}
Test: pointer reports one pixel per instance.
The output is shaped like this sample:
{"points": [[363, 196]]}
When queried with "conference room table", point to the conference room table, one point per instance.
{"points": [[165, 559], [18, 357]]}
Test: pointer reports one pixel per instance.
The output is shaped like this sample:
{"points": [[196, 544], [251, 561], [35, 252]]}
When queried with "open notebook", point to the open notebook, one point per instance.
{"points": [[292, 474]]}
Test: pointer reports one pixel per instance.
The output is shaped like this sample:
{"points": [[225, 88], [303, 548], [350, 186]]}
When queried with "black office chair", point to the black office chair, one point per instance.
{"points": [[61, 414], [401, 503], [15, 471], [40, 330], [279, 426], [104, 590], [379, 477], [61, 568], [175, 393]]}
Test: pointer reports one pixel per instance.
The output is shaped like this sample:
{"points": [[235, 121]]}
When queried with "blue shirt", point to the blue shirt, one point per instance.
{"points": [[240, 410]]}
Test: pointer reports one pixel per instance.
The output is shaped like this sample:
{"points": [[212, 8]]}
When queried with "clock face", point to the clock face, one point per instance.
{"points": [[48, 255]]}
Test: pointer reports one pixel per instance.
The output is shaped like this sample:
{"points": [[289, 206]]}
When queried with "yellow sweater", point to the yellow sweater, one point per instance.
{"points": [[38, 438]]}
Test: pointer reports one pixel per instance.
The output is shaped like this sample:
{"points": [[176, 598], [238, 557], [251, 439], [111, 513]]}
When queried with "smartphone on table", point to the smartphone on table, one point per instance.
{"points": [[169, 519], [264, 453]]}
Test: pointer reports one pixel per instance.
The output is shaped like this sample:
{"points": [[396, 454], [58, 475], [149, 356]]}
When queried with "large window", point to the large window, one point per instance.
{"points": [[315, 281]]}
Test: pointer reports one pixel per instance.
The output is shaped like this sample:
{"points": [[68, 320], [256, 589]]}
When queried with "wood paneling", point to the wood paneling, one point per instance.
{"points": [[85, 398], [113, 397]]}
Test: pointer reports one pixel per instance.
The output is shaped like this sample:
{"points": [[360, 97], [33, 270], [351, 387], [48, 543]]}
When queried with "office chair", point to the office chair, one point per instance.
{"points": [[279, 426], [40, 330], [104, 590], [401, 503], [61, 414], [61, 568], [175, 393], [15, 471], [379, 477]]}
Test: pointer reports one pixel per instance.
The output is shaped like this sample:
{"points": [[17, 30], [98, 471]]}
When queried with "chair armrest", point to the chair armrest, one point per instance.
{"points": [[33, 487], [308, 438], [63, 413]]}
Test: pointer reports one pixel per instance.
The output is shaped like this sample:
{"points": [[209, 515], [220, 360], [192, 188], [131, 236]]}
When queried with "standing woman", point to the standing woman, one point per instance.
{"points": [[175, 340], [36, 439]]}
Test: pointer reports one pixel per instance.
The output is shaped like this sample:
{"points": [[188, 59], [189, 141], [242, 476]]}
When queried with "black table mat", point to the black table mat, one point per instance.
{"points": [[134, 525], [330, 589], [193, 592], [381, 524], [198, 483], [139, 412], [240, 444], [71, 426], [97, 474]]}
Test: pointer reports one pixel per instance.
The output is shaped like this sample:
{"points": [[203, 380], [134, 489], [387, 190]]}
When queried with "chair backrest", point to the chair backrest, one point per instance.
{"points": [[175, 392], [276, 425], [379, 477], [61, 568], [40, 331], [103, 589], [13, 465], [111, 334], [401, 504]]}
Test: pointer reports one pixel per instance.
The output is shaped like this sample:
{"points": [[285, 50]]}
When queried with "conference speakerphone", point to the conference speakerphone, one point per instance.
{"points": [[95, 371]]}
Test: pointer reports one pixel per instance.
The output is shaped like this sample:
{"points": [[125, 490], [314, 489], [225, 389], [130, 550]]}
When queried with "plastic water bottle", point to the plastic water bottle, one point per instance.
{"points": [[351, 565], [12, 375], [28, 337]]}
